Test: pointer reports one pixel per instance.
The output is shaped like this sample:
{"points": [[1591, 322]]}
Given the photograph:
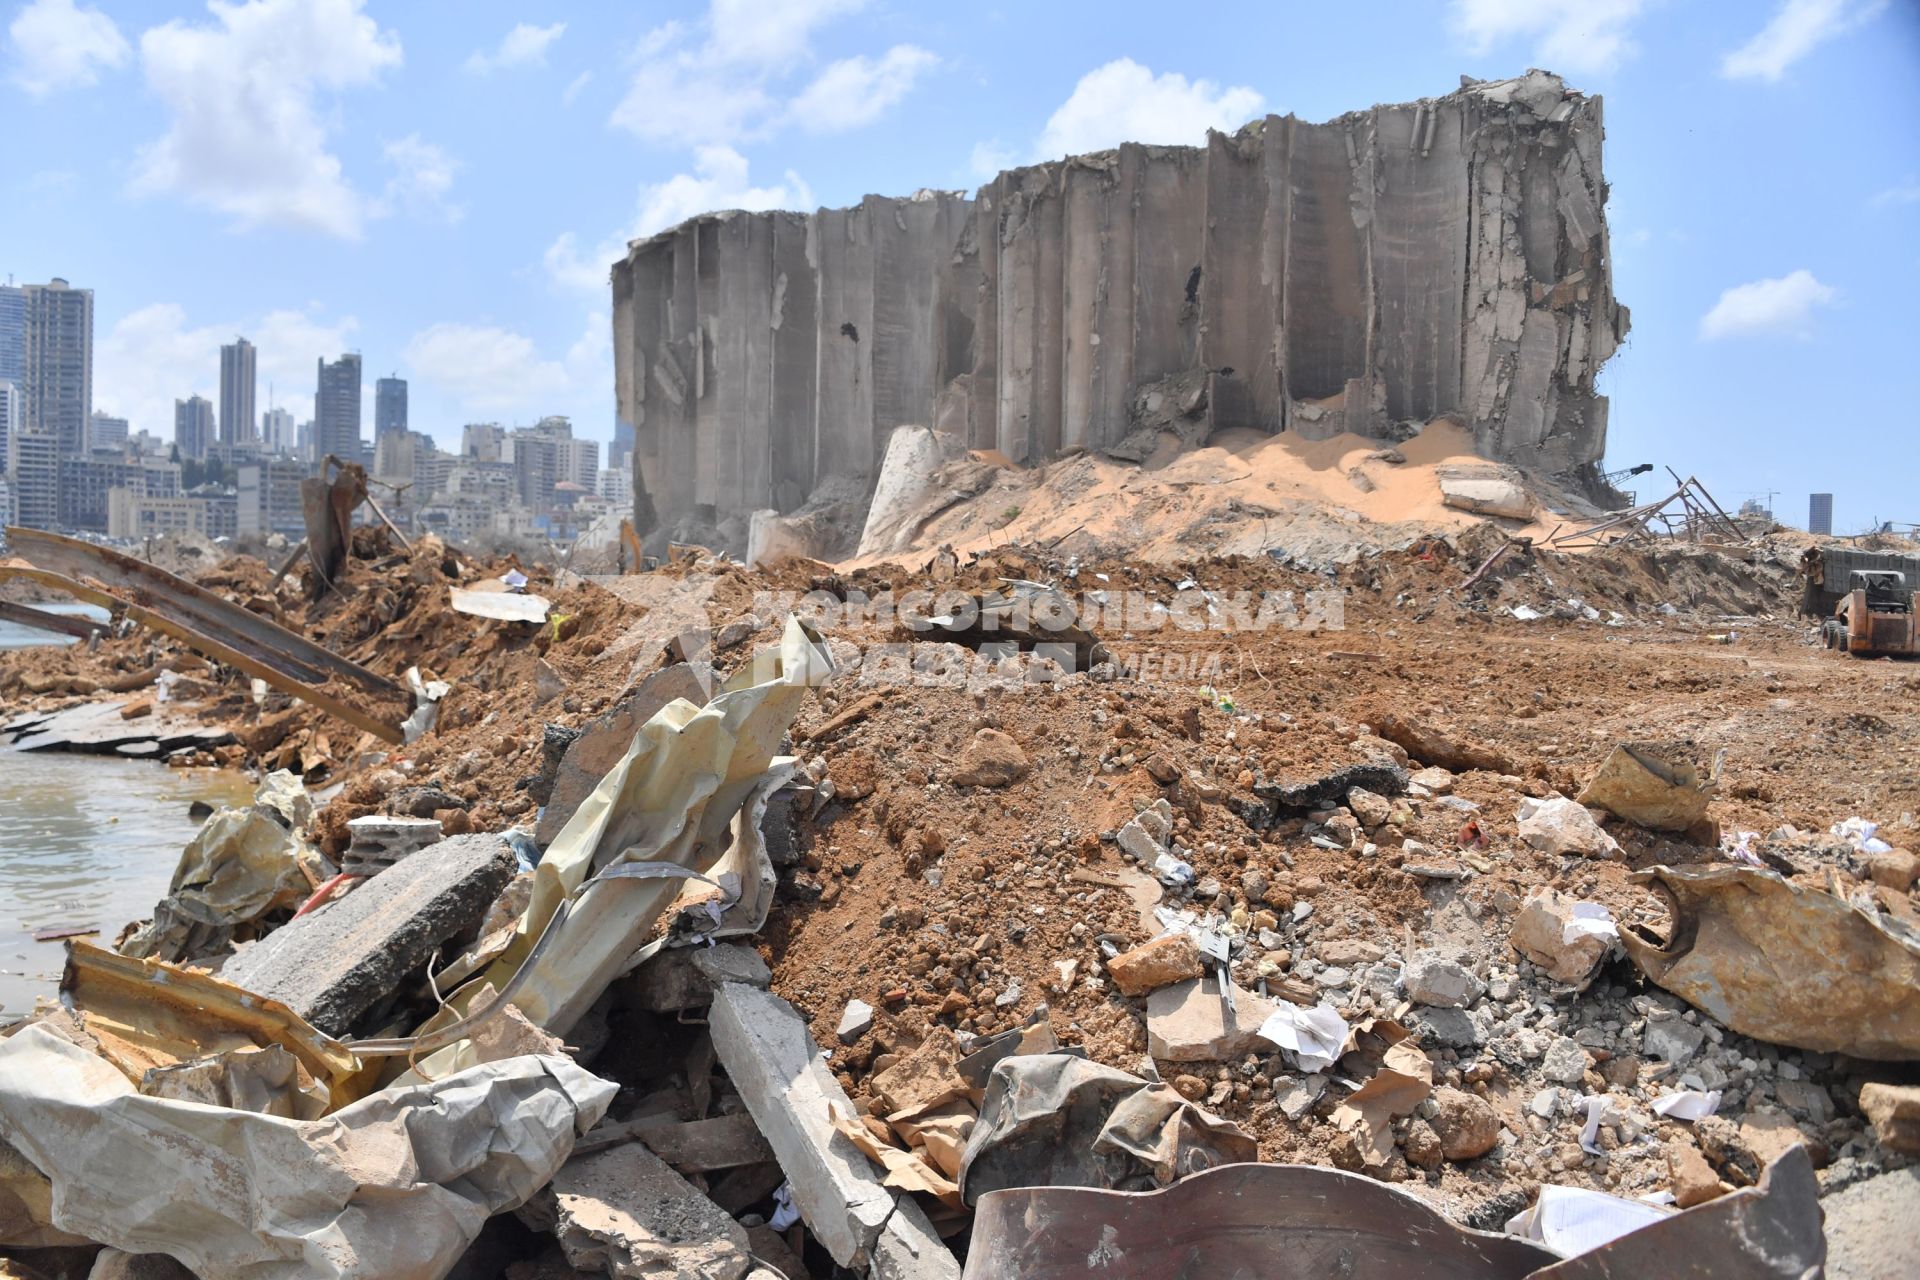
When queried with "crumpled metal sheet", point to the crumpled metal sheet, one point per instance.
{"points": [[392, 1187], [673, 798], [1273, 1221], [1648, 786], [240, 865], [1783, 963], [1772, 1231], [1053, 1119]]}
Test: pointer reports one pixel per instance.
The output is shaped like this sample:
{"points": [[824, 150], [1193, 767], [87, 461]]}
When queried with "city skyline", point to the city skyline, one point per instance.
{"points": [[446, 196]]}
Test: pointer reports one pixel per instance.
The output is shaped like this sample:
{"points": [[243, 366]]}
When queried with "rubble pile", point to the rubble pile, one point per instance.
{"points": [[774, 938]]}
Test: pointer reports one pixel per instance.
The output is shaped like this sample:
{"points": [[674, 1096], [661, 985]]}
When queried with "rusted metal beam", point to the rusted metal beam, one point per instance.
{"points": [[202, 611], [59, 623], [220, 650]]}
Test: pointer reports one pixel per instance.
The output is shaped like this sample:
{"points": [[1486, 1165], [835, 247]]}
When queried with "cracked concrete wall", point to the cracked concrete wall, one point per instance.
{"points": [[1447, 256]]}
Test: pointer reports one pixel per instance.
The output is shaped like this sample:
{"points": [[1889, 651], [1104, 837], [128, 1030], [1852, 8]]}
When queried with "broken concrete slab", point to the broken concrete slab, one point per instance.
{"points": [[1869, 1228], [770, 1057], [1187, 1022], [854, 1021], [1650, 786], [336, 962], [1486, 490], [623, 1212], [1567, 938], [685, 977], [605, 739], [1436, 980]]}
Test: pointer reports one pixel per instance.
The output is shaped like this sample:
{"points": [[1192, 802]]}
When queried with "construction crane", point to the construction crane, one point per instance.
{"points": [[1613, 478]]}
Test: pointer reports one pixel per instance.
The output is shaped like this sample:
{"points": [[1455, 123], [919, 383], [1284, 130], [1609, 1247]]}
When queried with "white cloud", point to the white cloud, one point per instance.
{"points": [[248, 135], [1907, 192], [989, 158], [487, 369], [725, 80], [720, 181], [423, 175], [574, 87], [1781, 307], [857, 91], [1796, 29], [58, 45], [151, 357], [1125, 102], [525, 45], [1566, 35]]}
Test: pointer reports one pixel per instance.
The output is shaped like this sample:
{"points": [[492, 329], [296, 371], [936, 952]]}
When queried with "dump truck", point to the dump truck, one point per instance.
{"points": [[1877, 617]]}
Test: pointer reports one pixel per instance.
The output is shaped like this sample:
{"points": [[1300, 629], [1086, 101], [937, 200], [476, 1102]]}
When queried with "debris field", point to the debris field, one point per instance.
{"points": [[1347, 898]]}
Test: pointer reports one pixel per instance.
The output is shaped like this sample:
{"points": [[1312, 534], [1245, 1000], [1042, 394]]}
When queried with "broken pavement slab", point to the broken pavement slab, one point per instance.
{"points": [[768, 1054], [333, 964], [1187, 1022], [623, 1212]]}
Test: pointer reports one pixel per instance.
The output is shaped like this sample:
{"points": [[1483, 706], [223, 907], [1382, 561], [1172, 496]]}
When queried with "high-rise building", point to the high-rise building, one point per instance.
{"points": [[236, 392], [1820, 514], [107, 431], [482, 441], [193, 427], [277, 426], [33, 463], [336, 411], [10, 413], [58, 374], [389, 406], [13, 334]]}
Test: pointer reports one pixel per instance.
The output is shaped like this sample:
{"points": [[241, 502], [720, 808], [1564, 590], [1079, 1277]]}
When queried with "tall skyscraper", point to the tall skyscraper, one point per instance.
{"points": [[58, 377], [389, 407], [193, 428], [13, 334], [336, 411], [1820, 514], [11, 409], [278, 429], [236, 392]]}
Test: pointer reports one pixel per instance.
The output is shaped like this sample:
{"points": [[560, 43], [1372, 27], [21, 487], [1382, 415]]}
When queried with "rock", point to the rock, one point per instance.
{"points": [[1192, 1088], [685, 977], [1297, 1099], [1434, 779], [1372, 810], [1422, 1145], [926, 1077], [854, 1021], [112, 1264], [1560, 826], [593, 752], [1185, 1023], [1694, 1181], [1869, 1228], [1453, 1028], [1671, 1038], [1466, 1124], [1138, 842], [1566, 1061], [1485, 490], [1894, 1110], [1551, 931], [1433, 744], [1650, 786], [1806, 1099], [1348, 952], [623, 1212], [992, 759], [1435, 980], [1160, 963], [334, 963], [1894, 869], [1162, 769]]}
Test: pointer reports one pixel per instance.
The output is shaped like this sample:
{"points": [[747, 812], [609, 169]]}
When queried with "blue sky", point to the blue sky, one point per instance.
{"points": [[439, 185]]}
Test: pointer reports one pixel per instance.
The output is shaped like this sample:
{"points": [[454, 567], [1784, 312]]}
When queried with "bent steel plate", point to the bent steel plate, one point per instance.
{"points": [[1271, 1221]]}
